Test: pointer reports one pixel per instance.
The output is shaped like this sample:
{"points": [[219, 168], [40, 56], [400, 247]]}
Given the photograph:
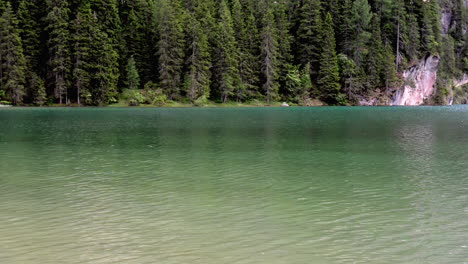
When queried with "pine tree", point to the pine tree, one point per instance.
{"points": [[28, 14], [270, 56], [247, 37], [375, 57], [133, 79], [12, 72], [36, 88], [81, 56], [199, 62], [226, 66], [139, 36], [59, 49], [390, 74], [430, 29], [170, 49], [285, 39], [105, 67], [309, 35], [328, 77], [361, 18]]}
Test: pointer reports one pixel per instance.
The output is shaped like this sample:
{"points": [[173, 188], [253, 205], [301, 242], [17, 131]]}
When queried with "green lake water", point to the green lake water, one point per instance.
{"points": [[234, 185]]}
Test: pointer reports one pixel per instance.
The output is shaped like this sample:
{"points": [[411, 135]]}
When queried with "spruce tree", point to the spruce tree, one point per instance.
{"points": [[59, 49], [133, 78], [170, 49], [375, 58], [430, 29], [36, 88], [81, 56], [29, 23], [328, 77], [226, 66], [285, 39], [105, 67], [309, 35], [270, 56], [248, 41], [12, 72], [361, 18], [198, 62]]}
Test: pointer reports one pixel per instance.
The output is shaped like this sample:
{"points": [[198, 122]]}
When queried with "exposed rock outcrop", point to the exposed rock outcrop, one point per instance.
{"points": [[420, 83]]}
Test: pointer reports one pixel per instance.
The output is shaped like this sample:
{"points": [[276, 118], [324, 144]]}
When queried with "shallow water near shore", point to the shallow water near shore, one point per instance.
{"points": [[234, 185]]}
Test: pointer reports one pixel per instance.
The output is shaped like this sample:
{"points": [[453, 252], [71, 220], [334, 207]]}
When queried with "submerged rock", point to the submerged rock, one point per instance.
{"points": [[420, 83]]}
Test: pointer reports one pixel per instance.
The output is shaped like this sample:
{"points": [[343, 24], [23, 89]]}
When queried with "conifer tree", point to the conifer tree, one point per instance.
{"points": [[36, 88], [247, 37], [270, 56], [59, 49], [104, 57], [361, 18], [13, 68], [328, 77], [199, 62], [390, 74], [170, 49], [81, 56], [430, 30], [133, 78], [29, 23], [226, 66], [375, 57], [285, 39], [309, 35]]}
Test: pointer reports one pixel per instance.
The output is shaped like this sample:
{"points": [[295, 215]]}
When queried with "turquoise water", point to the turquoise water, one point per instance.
{"points": [[234, 185]]}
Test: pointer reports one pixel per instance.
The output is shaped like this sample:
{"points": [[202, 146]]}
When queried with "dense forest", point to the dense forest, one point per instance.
{"points": [[99, 52]]}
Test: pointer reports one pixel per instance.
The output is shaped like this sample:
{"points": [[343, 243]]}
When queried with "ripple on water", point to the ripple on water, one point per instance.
{"points": [[298, 185]]}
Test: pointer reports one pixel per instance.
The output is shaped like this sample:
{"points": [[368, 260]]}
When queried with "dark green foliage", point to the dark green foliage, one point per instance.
{"points": [[329, 76], [81, 55], [226, 64], [309, 35], [13, 63], [133, 79], [59, 48], [248, 40], [88, 51], [36, 90], [199, 62], [170, 48], [270, 57]]}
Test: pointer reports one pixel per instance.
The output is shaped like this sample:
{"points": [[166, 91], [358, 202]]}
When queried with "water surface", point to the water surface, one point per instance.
{"points": [[234, 185]]}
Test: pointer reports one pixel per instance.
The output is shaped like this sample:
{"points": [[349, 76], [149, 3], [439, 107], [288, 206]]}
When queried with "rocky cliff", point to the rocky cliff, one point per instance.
{"points": [[420, 83]]}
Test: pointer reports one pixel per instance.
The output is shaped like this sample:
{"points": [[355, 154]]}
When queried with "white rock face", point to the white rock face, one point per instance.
{"points": [[420, 83], [285, 105]]}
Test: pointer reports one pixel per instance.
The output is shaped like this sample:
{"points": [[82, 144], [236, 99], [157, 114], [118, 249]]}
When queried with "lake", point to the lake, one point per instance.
{"points": [[234, 185]]}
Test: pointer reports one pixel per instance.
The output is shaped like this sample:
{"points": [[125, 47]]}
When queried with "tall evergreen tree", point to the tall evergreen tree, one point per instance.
{"points": [[361, 18], [133, 78], [81, 56], [328, 77], [29, 17], [309, 35], [170, 48], [375, 58], [199, 62], [270, 56], [248, 40], [12, 72], [226, 66], [104, 67], [59, 49]]}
